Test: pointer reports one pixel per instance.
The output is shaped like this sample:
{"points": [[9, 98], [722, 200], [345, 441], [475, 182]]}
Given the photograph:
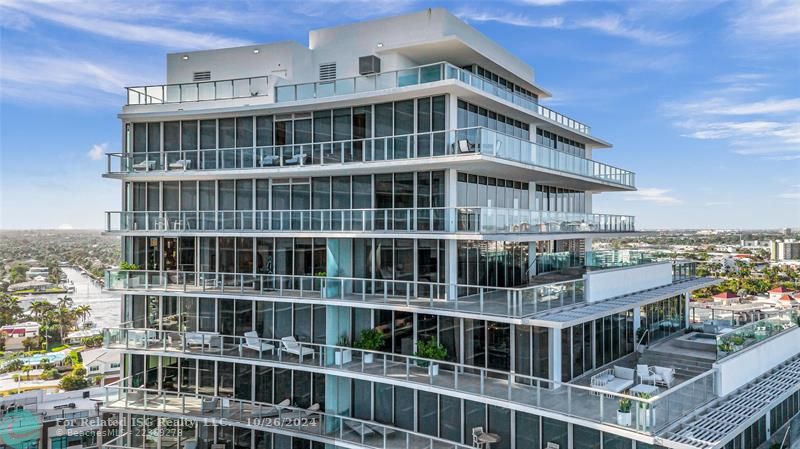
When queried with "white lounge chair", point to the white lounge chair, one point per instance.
{"points": [[268, 412], [182, 164], [251, 341], [297, 159], [270, 160], [290, 345], [145, 165], [664, 376], [646, 375]]}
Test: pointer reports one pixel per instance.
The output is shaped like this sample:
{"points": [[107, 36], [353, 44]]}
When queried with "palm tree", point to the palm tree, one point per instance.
{"points": [[65, 301], [64, 318], [83, 311], [10, 310], [39, 310]]}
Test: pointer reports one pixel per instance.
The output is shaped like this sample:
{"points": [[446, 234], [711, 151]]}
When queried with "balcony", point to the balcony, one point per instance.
{"points": [[274, 418], [485, 384], [484, 220], [203, 91], [416, 76], [507, 302], [456, 143]]}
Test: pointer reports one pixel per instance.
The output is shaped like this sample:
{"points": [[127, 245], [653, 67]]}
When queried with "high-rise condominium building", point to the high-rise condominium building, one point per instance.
{"points": [[383, 240]]}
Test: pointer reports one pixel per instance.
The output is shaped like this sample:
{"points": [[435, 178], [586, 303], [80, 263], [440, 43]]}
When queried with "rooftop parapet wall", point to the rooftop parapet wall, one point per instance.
{"points": [[411, 37]]}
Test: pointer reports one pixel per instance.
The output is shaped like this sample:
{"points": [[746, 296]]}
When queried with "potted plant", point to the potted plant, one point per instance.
{"points": [[121, 276], [725, 348], [647, 415], [430, 349], [624, 412], [370, 340], [343, 355]]}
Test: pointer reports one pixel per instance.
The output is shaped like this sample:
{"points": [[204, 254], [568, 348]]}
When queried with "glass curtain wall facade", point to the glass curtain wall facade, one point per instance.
{"points": [[242, 275]]}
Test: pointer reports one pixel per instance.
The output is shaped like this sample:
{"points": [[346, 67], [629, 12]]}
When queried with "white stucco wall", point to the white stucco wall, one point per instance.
{"points": [[604, 284], [743, 367]]}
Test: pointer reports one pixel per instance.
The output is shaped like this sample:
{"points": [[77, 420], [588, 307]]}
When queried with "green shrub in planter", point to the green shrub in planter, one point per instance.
{"points": [[430, 349], [624, 406], [370, 340], [128, 266]]}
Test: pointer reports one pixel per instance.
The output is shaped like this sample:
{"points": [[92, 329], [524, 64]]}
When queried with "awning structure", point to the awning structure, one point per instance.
{"points": [[723, 420], [589, 311]]}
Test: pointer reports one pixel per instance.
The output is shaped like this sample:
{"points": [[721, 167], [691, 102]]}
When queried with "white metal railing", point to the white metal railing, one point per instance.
{"points": [[590, 403], [436, 219], [460, 142], [198, 91], [420, 75], [499, 301], [273, 417]]}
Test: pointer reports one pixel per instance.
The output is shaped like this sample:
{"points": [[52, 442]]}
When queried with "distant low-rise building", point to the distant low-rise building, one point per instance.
{"points": [[36, 286], [102, 362], [15, 334]]}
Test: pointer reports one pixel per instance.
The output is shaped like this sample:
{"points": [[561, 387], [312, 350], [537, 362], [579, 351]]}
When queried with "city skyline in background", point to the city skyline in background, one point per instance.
{"points": [[697, 98]]}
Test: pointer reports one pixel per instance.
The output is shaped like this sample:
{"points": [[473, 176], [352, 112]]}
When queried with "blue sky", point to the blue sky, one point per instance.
{"points": [[699, 98]]}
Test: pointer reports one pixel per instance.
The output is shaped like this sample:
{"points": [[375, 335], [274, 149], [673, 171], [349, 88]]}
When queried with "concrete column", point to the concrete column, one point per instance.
{"points": [[451, 251], [555, 354], [686, 313], [452, 112], [637, 320]]}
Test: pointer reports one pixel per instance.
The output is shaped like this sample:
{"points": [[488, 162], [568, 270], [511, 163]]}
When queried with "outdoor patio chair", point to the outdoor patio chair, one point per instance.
{"points": [[646, 375], [251, 341], [290, 345], [297, 159]]}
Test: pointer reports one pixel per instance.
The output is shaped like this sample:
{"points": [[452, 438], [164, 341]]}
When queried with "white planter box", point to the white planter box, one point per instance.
{"points": [[342, 357], [369, 357], [433, 369], [624, 419]]}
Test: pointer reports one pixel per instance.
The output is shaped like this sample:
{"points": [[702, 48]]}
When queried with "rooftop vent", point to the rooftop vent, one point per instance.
{"points": [[369, 64], [327, 71], [201, 76]]}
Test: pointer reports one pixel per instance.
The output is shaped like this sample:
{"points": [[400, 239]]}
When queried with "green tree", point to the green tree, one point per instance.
{"points": [[71, 382], [17, 272], [10, 309]]}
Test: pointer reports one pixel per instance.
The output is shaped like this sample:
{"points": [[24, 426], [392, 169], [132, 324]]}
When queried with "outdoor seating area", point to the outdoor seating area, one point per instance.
{"points": [[655, 375], [616, 380]]}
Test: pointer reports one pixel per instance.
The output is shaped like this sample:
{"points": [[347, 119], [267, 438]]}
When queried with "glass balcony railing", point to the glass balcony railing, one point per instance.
{"points": [[585, 402], [485, 300], [200, 91], [420, 75], [461, 142], [125, 397], [482, 219], [744, 337]]}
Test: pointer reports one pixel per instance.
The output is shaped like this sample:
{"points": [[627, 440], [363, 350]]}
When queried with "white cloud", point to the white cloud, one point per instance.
{"points": [[508, 18], [768, 20], [67, 80], [90, 20], [544, 2], [97, 151], [733, 110], [652, 194], [615, 25], [612, 25]]}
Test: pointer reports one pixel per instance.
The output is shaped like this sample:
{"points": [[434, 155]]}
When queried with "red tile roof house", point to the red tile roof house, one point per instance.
{"points": [[725, 297], [778, 292]]}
